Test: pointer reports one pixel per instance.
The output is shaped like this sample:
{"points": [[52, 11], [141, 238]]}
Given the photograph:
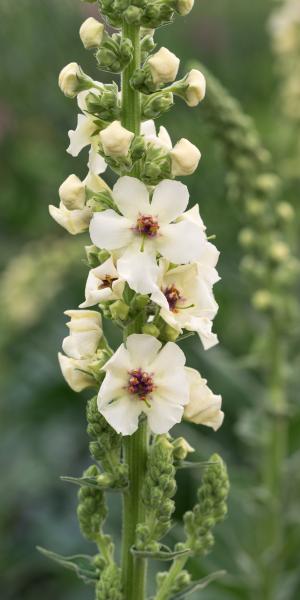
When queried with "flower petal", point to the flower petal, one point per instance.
{"points": [[131, 196], [170, 199], [96, 163], [82, 135], [122, 414], [119, 364], [142, 349], [110, 231], [181, 242], [139, 269], [162, 415]]}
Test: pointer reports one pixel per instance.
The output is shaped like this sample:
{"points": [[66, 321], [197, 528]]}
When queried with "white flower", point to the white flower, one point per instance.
{"points": [[85, 333], [72, 79], [204, 407], [164, 66], [72, 193], [116, 140], [103, 284], [195, 91], [186, 299], [76, 373], [185, 158], [91, 33], [143, 378], [86, 134], [144, 229], [183, 7], [74, 221]]}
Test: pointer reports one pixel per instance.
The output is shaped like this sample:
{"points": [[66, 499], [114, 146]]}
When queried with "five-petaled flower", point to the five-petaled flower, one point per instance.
{"points": [[144, 378], [144, 229]]}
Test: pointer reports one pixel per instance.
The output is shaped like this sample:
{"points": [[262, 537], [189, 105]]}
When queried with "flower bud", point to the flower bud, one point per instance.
{"points": [[184, 7], [181, 448], [151, 329], [185, 158], [119, 310], [204, 407], [76, 373], [73, 80], [116, 140], [91, 33], [285, 211], [164, 66], [170, 334], [262, 300], [279, 251], [195, 91], [72, 193], [85, 333], [74, 221]]}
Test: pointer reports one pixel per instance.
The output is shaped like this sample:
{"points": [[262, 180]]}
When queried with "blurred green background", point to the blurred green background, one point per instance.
{"points": [[42, 422]]}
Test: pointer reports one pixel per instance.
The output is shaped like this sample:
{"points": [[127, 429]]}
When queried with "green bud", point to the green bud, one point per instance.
{"points": [[151, 329], [181, 448], [169, 333], [119, 310], [91, 510], [115, 53], [92, 256], [140, 301], [109, 585], [155, 105], [137, 148], [106, 443], [133, 15]]}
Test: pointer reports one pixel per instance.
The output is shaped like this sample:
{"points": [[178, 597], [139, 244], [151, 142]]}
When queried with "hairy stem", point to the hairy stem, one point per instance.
{"points": [[166, 589]]}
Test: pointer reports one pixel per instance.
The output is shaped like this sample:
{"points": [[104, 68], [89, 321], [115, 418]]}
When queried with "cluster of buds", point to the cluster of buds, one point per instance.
{"points": [[145, 13]]}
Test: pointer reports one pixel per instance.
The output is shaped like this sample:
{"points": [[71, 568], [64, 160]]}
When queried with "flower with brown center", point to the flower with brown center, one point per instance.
{"points": [[147, 225], [141, 383]]}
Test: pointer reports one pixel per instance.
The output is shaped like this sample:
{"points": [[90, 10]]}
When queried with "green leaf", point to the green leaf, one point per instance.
{"points": [[198, 585], [164, 554], [92, 482], [185, 464], [81, 564]]}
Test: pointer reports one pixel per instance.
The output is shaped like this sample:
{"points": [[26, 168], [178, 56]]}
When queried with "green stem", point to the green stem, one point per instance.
{"points": [[135, 446], [166, 588], [274, 458], [134, 569]]}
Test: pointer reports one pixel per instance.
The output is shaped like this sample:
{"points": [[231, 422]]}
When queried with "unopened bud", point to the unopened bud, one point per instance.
{"points": [[285, 211], [116, 140], [181, 448], [151, 329], [185, 158], [262, 300], [72, 193], [196, 87], [73, 80], [91, 33], [119, 310], [164, 66], [279, 251], [184, 7]]}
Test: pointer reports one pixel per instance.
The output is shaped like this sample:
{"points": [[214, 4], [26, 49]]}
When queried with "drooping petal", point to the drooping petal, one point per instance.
{"points": [[96, 163], [139, 269], [131, 196], [110, 231], [82, 135], [181, 242], [203, 327], [204, 407], [170, 199], [142, 349]]}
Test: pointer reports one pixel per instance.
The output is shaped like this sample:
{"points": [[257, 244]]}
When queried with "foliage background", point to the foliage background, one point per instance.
{"points": [[42, 422]]}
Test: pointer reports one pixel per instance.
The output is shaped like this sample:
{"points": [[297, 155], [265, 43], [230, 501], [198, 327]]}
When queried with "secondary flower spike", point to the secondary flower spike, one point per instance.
{"points": [[143, 377]]}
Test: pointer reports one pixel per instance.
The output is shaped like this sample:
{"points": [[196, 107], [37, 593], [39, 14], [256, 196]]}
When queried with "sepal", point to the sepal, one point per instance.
{"points": [[115, 53]]}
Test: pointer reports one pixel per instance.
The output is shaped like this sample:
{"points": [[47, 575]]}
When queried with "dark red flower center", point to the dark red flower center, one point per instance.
{"points": [[173, 296], [107, 282], [140, 383], [147, 225]]}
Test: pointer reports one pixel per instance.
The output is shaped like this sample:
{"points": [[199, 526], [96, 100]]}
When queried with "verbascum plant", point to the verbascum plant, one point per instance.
{"points": [[152, 271], [271, 270]]}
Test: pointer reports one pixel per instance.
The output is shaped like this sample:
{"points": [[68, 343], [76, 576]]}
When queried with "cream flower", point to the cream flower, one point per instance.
{"points": [[185, 296], [76, 372], [91, 33], [72, 194], [103, 284], [185, 158], [164, 66], [72, 79], [116, 140], [143, 378], [144, 229], [85, 333], [204, 407], [86, 134], [195, 91]]}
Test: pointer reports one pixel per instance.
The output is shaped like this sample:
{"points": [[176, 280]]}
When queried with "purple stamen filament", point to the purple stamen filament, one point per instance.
{"points": [[147, 225], [141, 383]]}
